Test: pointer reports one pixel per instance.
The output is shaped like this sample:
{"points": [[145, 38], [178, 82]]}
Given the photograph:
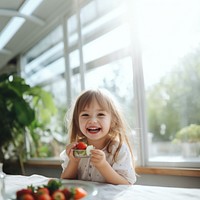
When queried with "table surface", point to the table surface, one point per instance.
{"points": [[109, 191]]}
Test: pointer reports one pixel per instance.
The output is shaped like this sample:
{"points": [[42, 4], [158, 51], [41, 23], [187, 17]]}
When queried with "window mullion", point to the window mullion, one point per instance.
{"points": [[141, 128], [139, 89], [80, 46], [68, 71]]}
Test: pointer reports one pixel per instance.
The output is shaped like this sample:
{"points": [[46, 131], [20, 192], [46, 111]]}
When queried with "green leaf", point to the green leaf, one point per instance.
{"points": [[24, 113], [54, 184]]}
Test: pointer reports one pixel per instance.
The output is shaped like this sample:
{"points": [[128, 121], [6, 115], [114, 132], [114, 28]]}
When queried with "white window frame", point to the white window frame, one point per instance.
{"points": [[138, 83]]}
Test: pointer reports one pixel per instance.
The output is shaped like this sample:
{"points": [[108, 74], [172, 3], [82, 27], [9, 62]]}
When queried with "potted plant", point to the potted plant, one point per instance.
{"points": [[23, 110], [189, 137]]}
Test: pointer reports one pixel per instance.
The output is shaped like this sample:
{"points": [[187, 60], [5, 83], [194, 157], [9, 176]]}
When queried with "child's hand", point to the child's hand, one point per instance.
{"points": [[98, 158], [69, 152]]}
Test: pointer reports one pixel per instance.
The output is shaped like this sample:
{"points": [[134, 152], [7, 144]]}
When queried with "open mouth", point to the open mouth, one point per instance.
{"points": [[93, 130]]}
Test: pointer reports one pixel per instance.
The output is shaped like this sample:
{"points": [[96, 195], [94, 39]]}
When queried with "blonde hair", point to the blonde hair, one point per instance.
{"points": [[118, 128]]}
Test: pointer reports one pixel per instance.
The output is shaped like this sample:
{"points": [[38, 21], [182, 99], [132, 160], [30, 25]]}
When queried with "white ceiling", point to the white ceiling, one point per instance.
{"points": [[50, 11]]}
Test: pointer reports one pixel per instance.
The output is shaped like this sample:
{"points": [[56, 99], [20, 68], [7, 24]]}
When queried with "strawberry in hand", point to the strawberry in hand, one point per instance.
{"points": [[81, 146], [82, 150]]}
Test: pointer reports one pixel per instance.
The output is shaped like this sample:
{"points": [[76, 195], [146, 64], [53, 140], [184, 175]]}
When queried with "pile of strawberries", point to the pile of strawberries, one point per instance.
{"points": [[53, 190]]}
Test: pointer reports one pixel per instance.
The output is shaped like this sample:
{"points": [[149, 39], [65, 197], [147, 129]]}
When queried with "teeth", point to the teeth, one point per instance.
{"points": [[93, 129]]}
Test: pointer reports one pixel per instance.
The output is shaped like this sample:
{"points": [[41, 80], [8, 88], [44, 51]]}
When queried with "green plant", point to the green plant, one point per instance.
{"points": [[24, 109], [189, 134]]}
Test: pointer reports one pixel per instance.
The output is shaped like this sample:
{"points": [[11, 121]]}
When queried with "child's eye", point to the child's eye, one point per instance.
{"points": [[84, 115], [101, 114]]}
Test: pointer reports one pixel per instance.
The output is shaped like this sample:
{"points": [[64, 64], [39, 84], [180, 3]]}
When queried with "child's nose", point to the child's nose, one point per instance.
{"points": [[93, 119]]}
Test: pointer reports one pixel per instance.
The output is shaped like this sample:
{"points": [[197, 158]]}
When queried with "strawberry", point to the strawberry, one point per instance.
{"points": [[58, 195], [42, 191], [22, 192], [53, 190], [26, 197], [79, 193], [44, 196], [67, 193], [81, 146]]}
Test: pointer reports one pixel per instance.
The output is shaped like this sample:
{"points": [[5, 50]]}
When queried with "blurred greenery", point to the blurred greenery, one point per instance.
{"points": [[189, 134], [173, 103], [25, 110]]}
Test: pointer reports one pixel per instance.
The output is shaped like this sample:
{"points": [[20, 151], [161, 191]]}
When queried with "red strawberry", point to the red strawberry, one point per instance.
{"points": [[58, 195], [22, 192], [81, 146], [44, 197], [42, 194], [67, 193], [79, 193], [26, 197], [43, 190]]}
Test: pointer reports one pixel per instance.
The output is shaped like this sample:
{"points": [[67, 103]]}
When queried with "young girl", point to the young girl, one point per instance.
{"points": [[97, 120]]}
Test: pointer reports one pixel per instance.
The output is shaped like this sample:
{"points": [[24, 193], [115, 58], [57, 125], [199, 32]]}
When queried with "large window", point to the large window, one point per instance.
{"points": [[146, 53], [169, 34]]}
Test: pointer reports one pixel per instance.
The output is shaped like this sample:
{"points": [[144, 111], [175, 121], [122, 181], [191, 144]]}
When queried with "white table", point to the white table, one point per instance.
{"points": [[111, 192]]}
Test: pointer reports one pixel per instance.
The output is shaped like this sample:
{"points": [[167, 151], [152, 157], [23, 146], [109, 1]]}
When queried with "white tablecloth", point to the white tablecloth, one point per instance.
{"points": [[111, 192]]}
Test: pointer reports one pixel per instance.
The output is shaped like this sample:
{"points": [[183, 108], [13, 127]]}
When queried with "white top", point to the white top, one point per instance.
{"points": [[123, 165]]}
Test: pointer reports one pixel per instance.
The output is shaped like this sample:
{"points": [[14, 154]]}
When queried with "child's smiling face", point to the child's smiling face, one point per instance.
{"points": [[94, 121]]}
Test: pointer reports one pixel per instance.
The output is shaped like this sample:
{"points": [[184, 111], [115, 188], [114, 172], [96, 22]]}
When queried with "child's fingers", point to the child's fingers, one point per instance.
{"points": [[69, 148], [97, 154]]}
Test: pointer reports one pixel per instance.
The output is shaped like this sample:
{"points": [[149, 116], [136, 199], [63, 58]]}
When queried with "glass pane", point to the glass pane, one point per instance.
{"points": [[52, 39], [88, 12], [75, 85], [74, 59], [169, 34], [117, 77], [48, 72], [72, 27], [107, 43], [45, 66], [105, 33], [44, 60], [108, 5], [96, 9], [58, 137]]}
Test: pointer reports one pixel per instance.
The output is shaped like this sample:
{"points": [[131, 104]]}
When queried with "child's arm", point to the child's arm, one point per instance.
{"points": [[98, 159], [70, 172]]}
